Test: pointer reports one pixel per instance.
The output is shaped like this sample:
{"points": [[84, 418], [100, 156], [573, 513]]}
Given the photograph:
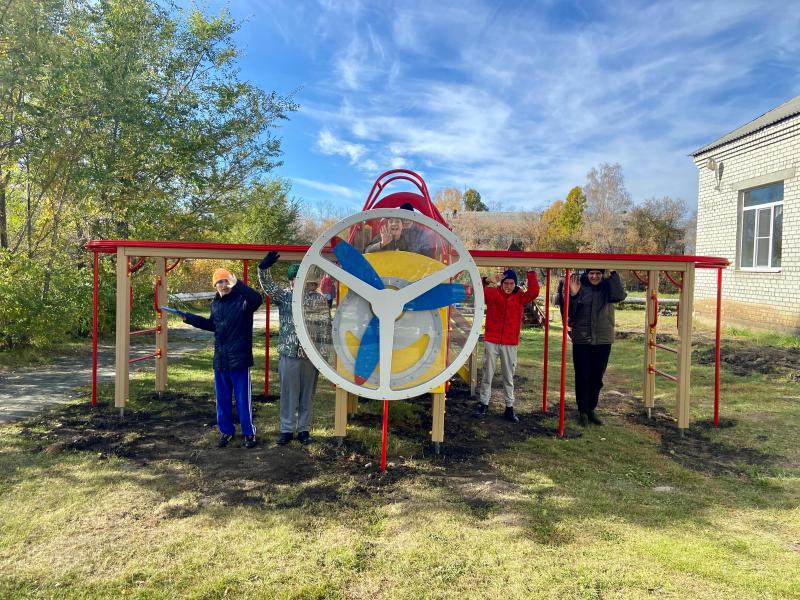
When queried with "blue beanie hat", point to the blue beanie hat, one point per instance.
{"points": [[509, 274], [292, 271]]}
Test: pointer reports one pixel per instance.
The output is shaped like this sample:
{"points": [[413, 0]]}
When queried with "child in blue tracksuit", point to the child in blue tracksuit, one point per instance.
{"points": [[232, 323]]}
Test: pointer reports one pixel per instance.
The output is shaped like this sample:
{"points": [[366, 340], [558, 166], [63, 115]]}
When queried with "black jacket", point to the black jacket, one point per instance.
{"points": [[232, 323], [591, 310]]}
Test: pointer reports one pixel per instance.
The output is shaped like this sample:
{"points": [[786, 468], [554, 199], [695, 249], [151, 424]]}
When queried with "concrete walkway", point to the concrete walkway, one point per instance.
{"points": [[25, 392]]}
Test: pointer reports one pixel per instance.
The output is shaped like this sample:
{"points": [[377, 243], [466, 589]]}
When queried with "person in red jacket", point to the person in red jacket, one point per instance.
{"points": [[504, 306]]}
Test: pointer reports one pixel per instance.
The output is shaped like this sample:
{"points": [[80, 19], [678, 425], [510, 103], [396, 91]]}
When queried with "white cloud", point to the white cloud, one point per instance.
{"points": [[519, 106], [328, 188], [328, 143]]}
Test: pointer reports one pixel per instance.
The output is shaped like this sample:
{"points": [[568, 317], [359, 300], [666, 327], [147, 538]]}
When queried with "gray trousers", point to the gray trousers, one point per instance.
{"points": [[298, 382], [508, 363]]}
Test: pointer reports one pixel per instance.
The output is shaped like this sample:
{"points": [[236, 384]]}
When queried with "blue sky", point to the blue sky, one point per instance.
{"points": [[518, 99]]}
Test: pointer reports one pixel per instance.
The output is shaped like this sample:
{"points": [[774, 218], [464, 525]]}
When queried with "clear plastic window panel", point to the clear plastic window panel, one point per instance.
{"points": [[389, 254]]}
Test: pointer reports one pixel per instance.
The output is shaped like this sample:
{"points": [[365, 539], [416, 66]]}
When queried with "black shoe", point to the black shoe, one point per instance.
{"points": [[284, 438], [583, 420], [510, 416], [482, 410], [223, 440], [593, 418], [304, 437], [250, 441]]}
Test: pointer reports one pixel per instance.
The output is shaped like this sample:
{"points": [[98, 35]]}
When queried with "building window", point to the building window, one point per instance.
{"points": [[762, 223]]}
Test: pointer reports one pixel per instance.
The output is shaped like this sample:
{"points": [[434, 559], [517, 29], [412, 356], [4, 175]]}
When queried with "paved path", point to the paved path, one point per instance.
{"points": [[24, 392]]}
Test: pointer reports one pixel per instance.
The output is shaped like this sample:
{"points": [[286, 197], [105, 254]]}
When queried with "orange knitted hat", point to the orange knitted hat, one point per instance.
{"points": [[220, 274]]}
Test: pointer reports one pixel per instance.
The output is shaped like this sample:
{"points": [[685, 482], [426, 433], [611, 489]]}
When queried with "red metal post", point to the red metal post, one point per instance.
{"points": [[94, 328], [244, 271], [716, 350], [384, 435], [546, 337], [561, 405], [266, 347]]}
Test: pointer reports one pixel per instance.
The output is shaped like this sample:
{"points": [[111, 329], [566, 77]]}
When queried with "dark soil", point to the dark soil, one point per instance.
{"points": [[693, 449], [175, 435], [745, 360]]}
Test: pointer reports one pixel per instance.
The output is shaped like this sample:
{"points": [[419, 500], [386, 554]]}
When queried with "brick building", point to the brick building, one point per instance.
{"points": [[748, 210]]}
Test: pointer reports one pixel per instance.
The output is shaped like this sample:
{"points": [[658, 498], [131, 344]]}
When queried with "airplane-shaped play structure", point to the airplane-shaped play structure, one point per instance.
{"points": [[407, 308]]}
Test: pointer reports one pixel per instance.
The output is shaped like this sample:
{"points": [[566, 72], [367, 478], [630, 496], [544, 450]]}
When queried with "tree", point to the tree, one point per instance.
{"points": [[571, 219], [269, 216], [122, 119], [448, 200], [657, 226], [607, 203], [473, 202]]}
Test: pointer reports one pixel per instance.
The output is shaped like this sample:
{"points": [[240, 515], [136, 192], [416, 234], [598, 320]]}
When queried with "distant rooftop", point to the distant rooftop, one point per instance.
{"points": [[781, 113]]}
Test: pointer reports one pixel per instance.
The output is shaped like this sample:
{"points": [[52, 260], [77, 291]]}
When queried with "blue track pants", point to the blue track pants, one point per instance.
{"points": [[234, 384]]}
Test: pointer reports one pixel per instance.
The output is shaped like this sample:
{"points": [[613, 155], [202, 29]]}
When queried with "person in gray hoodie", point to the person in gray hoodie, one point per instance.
{"points": [[591, 318]]}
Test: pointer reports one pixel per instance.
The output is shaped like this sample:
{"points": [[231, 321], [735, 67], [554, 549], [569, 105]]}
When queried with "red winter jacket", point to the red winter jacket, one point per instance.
{"points": [[504, 311]]}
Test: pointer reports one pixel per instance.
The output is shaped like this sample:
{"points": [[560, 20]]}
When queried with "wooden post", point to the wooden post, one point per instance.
{"points": [[437, 414], [473, 371], [352, 403], [340, 413], [161, 324], [123, 331], [685, 346], [649, 343]]}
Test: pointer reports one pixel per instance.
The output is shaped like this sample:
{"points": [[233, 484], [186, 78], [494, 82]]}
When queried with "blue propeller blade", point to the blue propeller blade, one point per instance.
{"points": [[369, 352], [442, 295], [368, 355], [354, 263]]}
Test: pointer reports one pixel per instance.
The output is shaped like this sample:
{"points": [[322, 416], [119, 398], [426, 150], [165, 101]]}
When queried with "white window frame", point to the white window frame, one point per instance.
{"points": [[756, 208]]}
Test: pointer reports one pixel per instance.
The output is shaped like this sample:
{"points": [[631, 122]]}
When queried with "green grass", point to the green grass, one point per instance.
{"points": [[629, 510]]}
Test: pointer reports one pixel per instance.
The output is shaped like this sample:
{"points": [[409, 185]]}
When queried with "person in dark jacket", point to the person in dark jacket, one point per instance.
{"points": [[591, 318], [504, 308], [232, 323]]}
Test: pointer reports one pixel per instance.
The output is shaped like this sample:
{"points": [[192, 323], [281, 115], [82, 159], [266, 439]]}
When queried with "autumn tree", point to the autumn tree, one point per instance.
{"points": [[657, 226], [448, 200], [607, 203]]}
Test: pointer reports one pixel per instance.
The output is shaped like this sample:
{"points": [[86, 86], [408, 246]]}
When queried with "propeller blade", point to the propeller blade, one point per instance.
{"points": [[442, 295], [354, 263], [368, 352]]}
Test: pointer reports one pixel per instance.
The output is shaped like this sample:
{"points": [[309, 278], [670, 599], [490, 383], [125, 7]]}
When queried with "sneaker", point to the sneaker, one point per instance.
{"points": [[304, 437], [482, 410], [583, 419], [224, 438], [510, 416], [593, 418], [250, 441], [284, 438]]}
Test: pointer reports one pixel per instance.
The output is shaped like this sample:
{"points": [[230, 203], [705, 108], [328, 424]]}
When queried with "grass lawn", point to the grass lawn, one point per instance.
{"points": [[92, 506]]}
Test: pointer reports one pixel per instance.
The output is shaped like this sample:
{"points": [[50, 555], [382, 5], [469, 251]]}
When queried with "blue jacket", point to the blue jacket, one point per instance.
{"points": [[232, 323]]}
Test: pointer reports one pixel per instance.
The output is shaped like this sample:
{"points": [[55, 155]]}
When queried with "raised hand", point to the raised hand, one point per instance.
{"points": [[270, 259], [574, 284]]}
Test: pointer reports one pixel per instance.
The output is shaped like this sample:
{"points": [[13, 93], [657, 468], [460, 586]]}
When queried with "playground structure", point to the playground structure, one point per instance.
{"points": [[454, 327]]}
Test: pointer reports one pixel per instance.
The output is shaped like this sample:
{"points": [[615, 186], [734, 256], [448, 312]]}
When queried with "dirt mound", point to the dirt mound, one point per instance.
{"points": [[748, 359]]}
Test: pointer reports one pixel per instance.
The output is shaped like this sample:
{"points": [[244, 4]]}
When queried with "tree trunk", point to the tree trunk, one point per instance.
{"points": [[3, 223]]}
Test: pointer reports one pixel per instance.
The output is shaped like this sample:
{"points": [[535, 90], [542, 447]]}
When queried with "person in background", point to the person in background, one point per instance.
{"points": [[402, 234], [591, 319], [231, 320], [297, 373], [504, 307]]}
